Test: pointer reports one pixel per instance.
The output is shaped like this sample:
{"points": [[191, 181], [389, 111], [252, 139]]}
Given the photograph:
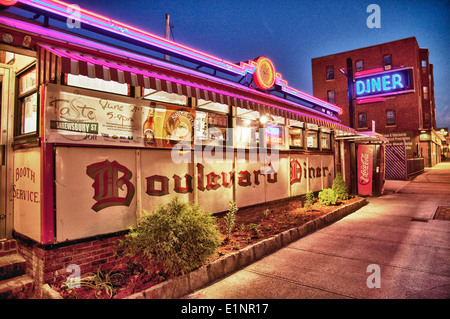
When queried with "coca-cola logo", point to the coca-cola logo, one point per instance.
{"points": [[364, 170]]}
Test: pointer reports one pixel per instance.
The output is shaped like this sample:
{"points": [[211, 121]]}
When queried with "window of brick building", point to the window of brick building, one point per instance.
{"points": [[330, 97], [362, 120], [390, 117], [330, 72], [387, 61], [425, 93], [359, 65]]}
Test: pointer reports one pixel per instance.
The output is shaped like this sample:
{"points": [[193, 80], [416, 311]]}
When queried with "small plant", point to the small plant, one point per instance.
{"points": [[103, 283], [254, 229], [230, 218], [309, 200], [328, 197], [176, 237], [267, 212], [339, 187]]}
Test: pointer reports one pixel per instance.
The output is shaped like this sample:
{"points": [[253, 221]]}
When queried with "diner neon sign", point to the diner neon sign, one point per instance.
{"points": [[384, 83]]}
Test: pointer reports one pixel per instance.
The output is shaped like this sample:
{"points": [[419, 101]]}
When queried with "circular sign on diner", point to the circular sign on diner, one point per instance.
{"points": [[264, 76]]}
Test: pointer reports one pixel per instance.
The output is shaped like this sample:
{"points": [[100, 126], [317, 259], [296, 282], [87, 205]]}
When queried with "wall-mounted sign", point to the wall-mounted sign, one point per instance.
{"points": [[99, 191], [264, 76], [27, 192], [397, 138], [385, 83]]}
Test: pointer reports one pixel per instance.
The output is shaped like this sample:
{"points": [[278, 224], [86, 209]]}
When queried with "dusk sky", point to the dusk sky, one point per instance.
{"points": [[291, 33]]}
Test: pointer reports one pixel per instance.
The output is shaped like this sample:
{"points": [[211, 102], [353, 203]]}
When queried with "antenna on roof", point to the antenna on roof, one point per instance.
{"points": [[167, 34]]}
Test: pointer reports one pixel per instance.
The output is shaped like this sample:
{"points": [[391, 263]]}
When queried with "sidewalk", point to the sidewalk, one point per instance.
{"points": [[396, 232]]}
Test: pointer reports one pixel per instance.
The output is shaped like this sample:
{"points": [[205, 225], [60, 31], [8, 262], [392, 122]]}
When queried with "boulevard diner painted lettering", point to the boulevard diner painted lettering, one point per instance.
{"points": [[385, 83], [364, 167], [109, 188]]}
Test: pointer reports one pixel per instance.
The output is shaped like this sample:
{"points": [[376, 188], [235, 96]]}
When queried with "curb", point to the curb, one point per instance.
{"points": [[180, 286]]}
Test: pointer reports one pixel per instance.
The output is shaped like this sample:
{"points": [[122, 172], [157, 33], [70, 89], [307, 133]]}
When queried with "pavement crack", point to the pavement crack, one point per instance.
{"points": [[366, 261], [295, 282]]}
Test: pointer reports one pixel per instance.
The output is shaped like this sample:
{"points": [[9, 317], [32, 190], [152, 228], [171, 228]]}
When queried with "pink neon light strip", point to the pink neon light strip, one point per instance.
{"points": [[367, 72], [63, 9], [77, 57], [370, 100]]}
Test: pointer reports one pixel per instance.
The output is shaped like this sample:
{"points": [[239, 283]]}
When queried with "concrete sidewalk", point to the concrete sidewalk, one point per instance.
{"points": [[395, 232]]}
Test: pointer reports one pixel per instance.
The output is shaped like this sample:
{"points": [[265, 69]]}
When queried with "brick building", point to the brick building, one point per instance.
{"points": [[398, 110]]}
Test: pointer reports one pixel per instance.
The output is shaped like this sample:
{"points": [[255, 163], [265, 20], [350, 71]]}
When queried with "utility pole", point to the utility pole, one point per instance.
{"points": [[351, 110], [167, 34]]}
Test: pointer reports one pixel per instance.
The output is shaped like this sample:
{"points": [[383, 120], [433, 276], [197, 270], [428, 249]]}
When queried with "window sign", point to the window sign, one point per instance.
{"points": [[311, 139], [274, 135], [29, 112]]}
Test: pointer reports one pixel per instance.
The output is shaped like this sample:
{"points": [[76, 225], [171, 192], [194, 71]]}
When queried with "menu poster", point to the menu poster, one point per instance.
{"points": [[167, 125], [80, 116]]}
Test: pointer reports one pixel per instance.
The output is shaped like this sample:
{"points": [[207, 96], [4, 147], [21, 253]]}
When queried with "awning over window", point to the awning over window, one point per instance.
{"points": [[55, 61]]}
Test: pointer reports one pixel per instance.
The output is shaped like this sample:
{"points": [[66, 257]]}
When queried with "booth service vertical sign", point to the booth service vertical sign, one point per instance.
{"points": [[364, 166]]}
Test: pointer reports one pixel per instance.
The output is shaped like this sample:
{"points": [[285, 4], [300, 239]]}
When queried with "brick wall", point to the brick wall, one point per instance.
{"points": [[49, 264], [408, 107]]}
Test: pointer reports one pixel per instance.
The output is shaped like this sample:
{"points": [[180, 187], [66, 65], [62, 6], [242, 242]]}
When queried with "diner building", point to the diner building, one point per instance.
{"points": [[101, 121]]}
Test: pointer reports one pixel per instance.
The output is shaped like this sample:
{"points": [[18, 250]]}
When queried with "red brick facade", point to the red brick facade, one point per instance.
{"points": [[48, 265], [415, 112]]}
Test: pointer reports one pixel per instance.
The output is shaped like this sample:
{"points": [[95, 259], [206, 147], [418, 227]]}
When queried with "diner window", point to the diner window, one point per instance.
{"points": [[330, 97], [86, 82], [362, 120], [387, 61], [274, 134], [312, 139], [325, 140], [390, 117], [295, 137], [359, 65], [246, 132], [162, 96], [330, 72], [210, 126], [27, 102]]}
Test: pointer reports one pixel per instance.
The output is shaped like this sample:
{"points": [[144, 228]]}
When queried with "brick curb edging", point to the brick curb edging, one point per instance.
{"points": [[180, 286]]}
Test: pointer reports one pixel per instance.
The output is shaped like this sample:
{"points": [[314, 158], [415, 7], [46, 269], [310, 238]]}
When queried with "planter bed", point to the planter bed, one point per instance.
{"points": [[258, 231]]}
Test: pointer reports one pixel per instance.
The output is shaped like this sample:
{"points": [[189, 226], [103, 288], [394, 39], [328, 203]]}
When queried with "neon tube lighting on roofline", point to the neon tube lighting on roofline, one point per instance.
{"points": [[96, 20]]}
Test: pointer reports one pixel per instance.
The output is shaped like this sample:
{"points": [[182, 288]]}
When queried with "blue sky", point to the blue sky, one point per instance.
{"points": [[291, 33]]}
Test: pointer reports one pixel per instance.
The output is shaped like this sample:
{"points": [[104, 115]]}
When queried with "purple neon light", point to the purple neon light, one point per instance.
{"points": [[75, 56], [104, 23]]}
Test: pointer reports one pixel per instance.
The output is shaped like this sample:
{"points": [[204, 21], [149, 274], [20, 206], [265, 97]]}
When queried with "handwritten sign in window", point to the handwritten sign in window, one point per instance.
{"points": [[84, 117]]}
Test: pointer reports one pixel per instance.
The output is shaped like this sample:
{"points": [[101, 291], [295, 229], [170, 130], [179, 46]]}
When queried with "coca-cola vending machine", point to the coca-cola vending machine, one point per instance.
{"points": [[370, 169]]}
